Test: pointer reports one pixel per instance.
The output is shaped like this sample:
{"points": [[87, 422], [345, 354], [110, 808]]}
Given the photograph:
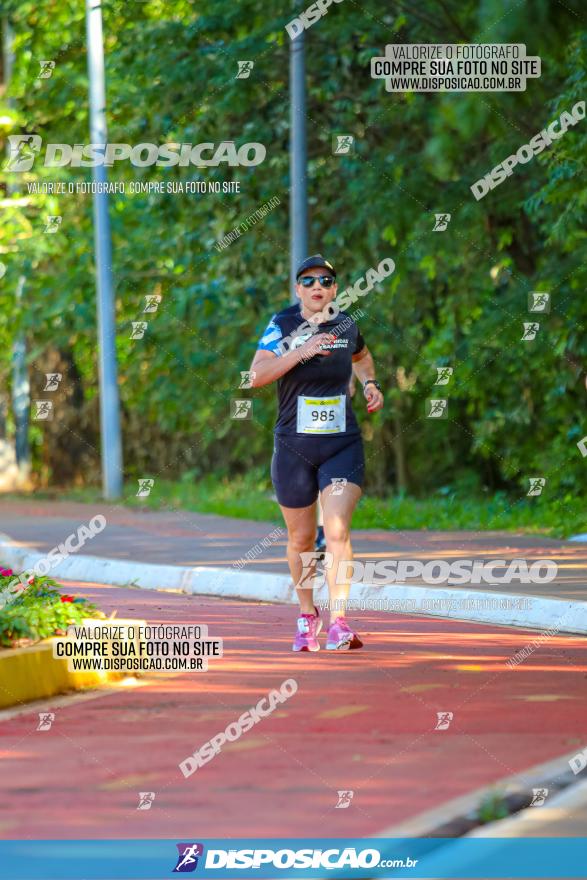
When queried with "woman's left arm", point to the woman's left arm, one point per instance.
{"points": [[364, 368]]}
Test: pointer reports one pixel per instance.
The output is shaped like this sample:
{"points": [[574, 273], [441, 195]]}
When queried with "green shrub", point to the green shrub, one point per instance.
{"points": [[39, 610]]}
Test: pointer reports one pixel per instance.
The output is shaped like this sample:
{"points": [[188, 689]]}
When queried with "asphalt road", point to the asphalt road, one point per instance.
{"points": [[190, 539]]}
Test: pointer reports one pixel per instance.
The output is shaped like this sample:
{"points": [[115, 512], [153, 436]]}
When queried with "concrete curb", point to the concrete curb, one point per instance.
{"points": [[34, 674], [551, 820], [434, 822], [502, 609], [540, 822]]}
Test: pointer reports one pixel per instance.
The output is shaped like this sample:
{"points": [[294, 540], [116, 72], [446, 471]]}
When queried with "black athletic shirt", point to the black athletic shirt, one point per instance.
{"points": [[321, 376]]}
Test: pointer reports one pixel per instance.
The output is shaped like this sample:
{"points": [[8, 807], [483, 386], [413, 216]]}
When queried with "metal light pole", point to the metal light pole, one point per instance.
{"points": [[298, 171], [21, 399], [109, 400]]}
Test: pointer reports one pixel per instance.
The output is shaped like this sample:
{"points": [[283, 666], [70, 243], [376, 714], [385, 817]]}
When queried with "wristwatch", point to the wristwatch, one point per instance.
{"points": [[372, 382]]}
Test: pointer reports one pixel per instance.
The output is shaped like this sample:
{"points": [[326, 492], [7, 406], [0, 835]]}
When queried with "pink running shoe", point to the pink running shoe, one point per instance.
{"points": [[309, 628], [341, 637]]}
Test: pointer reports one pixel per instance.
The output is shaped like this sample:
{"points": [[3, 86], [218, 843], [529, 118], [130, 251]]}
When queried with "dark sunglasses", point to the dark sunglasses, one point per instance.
{"points": [[308, 280]]}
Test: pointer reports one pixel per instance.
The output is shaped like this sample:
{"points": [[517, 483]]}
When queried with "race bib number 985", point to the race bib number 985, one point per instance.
{"points": [[321, 415]]}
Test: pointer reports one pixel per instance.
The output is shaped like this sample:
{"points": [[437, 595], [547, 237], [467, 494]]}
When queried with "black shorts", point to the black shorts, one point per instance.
{"points": [[303, 465]]}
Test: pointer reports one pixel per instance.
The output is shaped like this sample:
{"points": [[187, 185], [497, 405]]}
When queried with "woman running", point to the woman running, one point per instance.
{"points": [[312, 349]]}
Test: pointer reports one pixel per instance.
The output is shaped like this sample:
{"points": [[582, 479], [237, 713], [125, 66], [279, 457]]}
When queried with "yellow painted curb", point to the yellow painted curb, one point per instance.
{"points": [[33, 673]]}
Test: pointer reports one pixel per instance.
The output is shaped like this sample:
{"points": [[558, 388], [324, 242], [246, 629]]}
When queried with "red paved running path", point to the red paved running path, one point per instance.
{"points": [[362, 721]]}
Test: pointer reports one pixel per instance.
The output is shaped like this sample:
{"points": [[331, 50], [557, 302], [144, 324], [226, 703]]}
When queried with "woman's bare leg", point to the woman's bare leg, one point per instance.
{"points": [[338, 509], [301, 534]]}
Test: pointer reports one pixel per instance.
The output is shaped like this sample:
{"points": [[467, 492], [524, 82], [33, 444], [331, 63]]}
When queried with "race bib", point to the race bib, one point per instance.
{"points": [[321, 415]]}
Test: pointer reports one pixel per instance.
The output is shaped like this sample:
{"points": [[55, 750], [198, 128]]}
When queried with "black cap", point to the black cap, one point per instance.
{"points": [[313, 262]]}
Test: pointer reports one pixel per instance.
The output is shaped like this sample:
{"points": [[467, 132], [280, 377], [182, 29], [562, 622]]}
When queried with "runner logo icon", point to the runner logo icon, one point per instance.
{"points": [[187, 859]]}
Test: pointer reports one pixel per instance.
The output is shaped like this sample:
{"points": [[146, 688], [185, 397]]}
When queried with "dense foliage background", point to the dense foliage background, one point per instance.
{"points": [[459, 297]]}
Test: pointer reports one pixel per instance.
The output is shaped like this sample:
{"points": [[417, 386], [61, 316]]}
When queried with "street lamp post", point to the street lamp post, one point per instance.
{"points": [[20, 378], [298, 171], [109, 399]]}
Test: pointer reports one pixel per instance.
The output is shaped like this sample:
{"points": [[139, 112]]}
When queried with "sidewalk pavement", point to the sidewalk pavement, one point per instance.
{"points": [[362, 721], [182, 538]]}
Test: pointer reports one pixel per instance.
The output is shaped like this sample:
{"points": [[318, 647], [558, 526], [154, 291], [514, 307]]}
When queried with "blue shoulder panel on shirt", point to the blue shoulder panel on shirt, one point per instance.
{"points": [[271, 337]]}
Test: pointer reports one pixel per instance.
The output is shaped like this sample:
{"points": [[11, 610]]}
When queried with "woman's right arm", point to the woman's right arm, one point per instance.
{"points": [[267, 366]]}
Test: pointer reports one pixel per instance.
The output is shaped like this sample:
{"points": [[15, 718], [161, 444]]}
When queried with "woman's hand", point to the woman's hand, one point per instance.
{"points": [[312, 347], [373, 396], [267, 367]]}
